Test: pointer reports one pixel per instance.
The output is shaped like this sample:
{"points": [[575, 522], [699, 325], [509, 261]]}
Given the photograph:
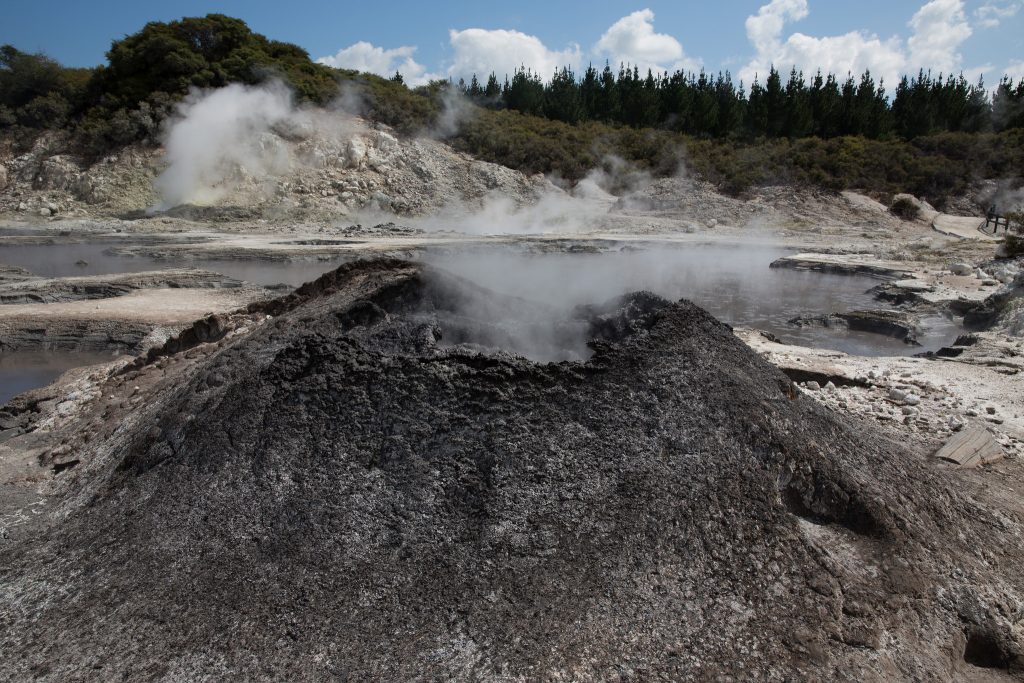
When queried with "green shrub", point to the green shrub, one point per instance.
{"points": [[905, 208]]}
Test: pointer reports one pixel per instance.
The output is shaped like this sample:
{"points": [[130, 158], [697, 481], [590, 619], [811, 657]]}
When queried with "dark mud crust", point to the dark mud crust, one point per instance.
{"points": [[334, 496]]}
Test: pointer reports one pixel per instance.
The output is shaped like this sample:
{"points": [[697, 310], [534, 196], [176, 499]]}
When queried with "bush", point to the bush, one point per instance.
{"points": [[1014, 242], [907, 209]]}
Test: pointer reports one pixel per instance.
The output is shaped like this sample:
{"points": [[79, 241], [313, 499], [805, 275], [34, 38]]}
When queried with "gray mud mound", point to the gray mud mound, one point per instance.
{"points": [[342, 493]]}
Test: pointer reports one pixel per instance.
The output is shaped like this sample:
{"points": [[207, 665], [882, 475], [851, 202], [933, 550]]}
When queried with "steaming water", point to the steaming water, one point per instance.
{"points": [[64, 260], [734, 283], [24, 370]]}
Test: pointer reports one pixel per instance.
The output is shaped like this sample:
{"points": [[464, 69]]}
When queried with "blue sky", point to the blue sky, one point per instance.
{"points": [[442, 39]]}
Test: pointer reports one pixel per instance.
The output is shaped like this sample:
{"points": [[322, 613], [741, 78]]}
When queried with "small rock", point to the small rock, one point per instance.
{"points": [[909, 410], [912, 399], [961, 269], [897, 395], [812, 386], [44, 212], [990, 410]]}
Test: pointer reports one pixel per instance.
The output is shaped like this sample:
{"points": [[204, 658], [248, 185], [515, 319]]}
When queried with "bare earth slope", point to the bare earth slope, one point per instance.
{"points": [[334, 494]]}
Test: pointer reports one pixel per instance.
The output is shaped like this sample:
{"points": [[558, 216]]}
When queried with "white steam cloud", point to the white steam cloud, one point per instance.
{"points": [[217, 133]]}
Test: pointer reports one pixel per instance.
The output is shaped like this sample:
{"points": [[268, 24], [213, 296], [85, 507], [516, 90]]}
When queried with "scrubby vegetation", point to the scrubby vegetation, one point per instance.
{"points": [[936, 136], [1015, 234], [905, 208], [146, 73], [932, 167]]}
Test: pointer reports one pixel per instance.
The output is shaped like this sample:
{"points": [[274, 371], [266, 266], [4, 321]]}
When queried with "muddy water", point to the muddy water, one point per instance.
{"points": [[733, 283], [24, 370], [70, 259]]}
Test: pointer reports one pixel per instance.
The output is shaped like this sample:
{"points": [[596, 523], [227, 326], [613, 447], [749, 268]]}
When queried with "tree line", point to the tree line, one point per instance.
{"points": [[704, 105], [146, 73]]}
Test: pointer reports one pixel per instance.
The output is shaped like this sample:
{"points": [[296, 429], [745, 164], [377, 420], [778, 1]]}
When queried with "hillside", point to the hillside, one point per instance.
{"points": [[815, 134]]}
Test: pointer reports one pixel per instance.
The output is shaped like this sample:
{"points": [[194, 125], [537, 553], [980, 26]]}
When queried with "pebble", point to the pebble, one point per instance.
{"points": [[990, 410], [812, 386], [897, 394], [909, 410], [912, 399]]}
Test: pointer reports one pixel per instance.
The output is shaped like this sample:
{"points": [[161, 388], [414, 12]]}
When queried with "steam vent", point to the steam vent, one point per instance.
{"points": [[355, 482]]}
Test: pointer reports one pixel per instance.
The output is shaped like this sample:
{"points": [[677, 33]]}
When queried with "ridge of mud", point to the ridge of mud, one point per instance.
{"points": [[334, 493]]}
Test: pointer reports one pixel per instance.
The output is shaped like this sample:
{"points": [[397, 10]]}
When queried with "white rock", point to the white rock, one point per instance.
{"points": [[812, 386], [912, 399], [961, 268], [355, 153], [44, 212]]}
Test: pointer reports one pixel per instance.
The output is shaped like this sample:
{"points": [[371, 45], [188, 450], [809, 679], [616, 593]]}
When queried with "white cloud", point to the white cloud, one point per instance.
{"points": [[991, 14], [1014, 70], [363, 56], [938, 28], [632, 40], [481, 52], [852, 52], [764, 29]]}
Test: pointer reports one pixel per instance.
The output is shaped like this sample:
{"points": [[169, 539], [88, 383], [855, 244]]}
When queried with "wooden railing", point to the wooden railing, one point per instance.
{"points": [[993, 222]]}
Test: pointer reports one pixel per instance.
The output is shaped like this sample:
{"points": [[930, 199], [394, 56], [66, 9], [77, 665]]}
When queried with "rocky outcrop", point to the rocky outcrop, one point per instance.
{"points": [[24, 288], [318, 173], [334, 492], [844, 264], [898, 324], [1004, 308], [118, 336]]}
